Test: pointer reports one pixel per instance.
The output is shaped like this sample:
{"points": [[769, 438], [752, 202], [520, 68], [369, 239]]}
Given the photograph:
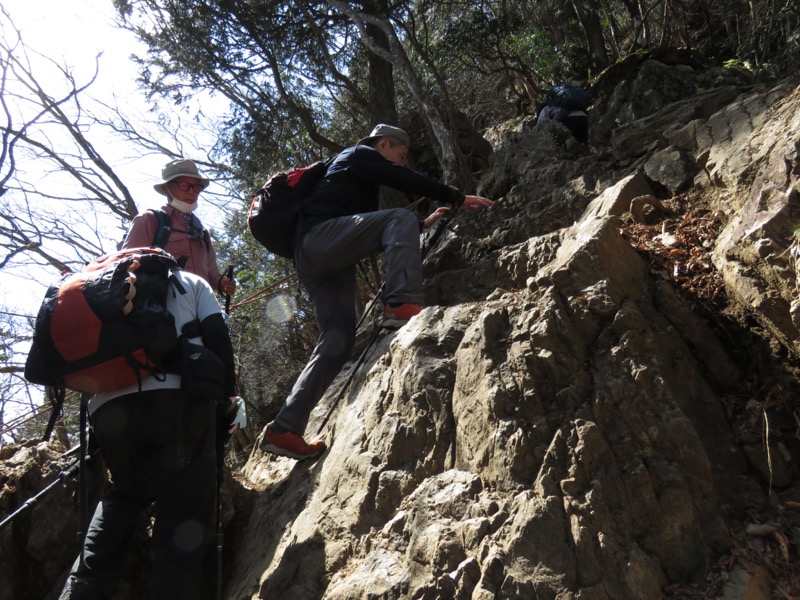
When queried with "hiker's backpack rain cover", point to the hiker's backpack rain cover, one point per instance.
{"points": [[276, 205], [568, 97], [106, 326]]}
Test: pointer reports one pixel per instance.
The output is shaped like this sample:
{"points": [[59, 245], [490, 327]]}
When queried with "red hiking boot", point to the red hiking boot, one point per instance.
{"points": [[397, 316], [290, 444]]}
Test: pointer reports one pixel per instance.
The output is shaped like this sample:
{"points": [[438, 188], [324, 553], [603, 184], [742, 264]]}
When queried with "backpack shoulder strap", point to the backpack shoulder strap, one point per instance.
{"points": [[164, 228], [313, 194], [176, 283]]}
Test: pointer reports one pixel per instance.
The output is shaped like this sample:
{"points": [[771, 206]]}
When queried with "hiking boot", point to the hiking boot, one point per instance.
{"points": [[397, 316], [290, 444]]}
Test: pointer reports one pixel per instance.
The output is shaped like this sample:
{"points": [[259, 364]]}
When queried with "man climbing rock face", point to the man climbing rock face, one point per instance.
{"points": [[342, 226]]}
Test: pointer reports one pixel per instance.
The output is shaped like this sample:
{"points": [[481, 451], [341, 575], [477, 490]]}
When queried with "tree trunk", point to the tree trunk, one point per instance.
{"points": [[381, 93], [593, 30]]}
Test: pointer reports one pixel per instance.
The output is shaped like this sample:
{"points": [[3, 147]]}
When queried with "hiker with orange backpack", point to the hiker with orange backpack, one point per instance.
{"points": [[340, 227], [175, 227], [160, 438]]}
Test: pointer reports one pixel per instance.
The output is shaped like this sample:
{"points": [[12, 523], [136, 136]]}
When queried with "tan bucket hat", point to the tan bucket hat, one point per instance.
{"points": [[182, 167]]}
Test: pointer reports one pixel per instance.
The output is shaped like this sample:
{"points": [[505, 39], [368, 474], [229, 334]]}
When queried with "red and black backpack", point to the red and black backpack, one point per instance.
{"points": [[276, 206], [107, 326]]}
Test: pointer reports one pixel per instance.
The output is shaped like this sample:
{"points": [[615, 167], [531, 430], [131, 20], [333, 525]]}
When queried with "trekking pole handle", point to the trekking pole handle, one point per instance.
{"points": [[441, 225], [229, 275]]}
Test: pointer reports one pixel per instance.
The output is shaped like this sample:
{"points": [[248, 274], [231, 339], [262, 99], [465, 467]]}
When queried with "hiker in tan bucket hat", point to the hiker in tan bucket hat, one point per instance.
{"points": [[176, 229]]}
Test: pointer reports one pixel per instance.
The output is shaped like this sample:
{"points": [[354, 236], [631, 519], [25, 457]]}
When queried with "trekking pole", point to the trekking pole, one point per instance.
{"points": [[369, 306], [350, 378], [62, 476], [83, 491], [229, 275], [56, 397], [427, 246], [220, 450], [220, 535], [221, 468]]}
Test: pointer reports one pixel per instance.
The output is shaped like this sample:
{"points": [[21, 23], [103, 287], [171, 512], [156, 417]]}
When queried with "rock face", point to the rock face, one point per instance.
{"points": [[557, 423], [40, 541], [565, 420]]}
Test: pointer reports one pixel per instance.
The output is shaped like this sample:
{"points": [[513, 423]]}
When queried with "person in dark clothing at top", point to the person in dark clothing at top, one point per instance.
{"points": [[577, 121], [342, 226]]}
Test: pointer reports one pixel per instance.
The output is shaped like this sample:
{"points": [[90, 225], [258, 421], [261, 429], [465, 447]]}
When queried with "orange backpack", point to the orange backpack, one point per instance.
{"points": [[106, 326]]}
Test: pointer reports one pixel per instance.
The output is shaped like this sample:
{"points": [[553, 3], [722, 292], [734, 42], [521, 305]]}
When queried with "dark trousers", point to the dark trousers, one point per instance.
{"points": [[579, 126], [326, 266], [159, 447]]}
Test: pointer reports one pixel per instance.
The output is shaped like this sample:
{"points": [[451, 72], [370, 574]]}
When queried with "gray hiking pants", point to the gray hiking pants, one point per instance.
{"points": [[326, 261]]}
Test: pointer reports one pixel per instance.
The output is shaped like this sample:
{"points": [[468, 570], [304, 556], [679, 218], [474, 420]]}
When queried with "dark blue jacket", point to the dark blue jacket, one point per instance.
{"points": [[352, 182]]}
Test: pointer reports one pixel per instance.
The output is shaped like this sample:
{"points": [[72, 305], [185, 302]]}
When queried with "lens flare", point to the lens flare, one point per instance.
{"points": [[280, 309]]}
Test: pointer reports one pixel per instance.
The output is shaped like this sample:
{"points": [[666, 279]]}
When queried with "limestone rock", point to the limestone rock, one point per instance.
{"points": [[672, 168]]}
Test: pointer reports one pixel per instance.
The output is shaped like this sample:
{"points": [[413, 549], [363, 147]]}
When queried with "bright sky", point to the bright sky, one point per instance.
{"points": [[74, 32], [69, 28]]}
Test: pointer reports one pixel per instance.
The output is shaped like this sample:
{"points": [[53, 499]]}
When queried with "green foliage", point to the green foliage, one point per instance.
{"points": [[252, 148], [765, 71], [270, 351]]}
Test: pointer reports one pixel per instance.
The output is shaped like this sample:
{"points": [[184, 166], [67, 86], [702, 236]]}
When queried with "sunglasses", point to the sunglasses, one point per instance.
{"points": [[185, 186]]}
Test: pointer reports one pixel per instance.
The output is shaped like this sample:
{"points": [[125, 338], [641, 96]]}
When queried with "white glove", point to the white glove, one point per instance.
{"points": [[240, 420]]}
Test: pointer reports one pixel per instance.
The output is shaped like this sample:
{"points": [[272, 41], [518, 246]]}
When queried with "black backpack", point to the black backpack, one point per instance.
{"points": [[106, 326], [567, 98], [276, 206]]}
